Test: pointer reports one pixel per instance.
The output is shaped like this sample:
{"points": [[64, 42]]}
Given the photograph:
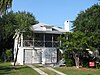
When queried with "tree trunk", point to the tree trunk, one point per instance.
{"points": [[16, 56], [76, 57]]}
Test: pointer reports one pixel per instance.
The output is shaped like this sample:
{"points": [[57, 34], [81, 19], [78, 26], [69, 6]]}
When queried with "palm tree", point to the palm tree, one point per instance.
{"points": [[4, 6]]}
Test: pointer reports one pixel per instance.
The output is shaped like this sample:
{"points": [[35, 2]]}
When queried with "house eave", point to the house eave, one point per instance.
{"points": [[49, 32]]}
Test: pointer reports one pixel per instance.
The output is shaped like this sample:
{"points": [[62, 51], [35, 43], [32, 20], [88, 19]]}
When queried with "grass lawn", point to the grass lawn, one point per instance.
{"points": [[81, 71], [7, 69]]}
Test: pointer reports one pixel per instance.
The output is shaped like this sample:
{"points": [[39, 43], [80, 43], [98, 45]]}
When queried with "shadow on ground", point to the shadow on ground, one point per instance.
{"points": [[4, 70]]}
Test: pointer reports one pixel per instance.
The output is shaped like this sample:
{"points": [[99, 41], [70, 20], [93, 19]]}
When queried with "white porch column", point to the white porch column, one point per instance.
{"points": [[43, 57]]}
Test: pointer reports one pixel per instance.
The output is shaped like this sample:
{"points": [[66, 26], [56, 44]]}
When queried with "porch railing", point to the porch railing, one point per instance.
{"points": [[29, 43]]}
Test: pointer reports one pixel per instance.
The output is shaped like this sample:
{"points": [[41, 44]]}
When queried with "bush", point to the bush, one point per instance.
{"points": [[8, 55], [69, 60]]}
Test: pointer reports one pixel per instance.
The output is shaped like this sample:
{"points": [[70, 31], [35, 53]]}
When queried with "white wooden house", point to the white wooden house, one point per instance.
{"points": [[39, 47]]}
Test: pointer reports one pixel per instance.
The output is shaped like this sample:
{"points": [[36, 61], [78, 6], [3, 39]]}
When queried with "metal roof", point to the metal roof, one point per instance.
{"points": [[45, 28]]}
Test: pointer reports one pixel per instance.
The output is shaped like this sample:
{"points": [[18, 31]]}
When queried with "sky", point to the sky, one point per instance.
{"points": [[53, 12]]}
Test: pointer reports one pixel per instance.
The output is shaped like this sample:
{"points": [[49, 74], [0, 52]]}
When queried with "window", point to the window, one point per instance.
{"points": [[38, 37], [27, 39], [27, 36], [56, 43], [38, 40], [48, 37], [48, 40], [55, 37]]}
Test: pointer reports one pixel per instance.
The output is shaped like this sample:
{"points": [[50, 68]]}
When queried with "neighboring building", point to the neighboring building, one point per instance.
{"points": [[39, 47]]}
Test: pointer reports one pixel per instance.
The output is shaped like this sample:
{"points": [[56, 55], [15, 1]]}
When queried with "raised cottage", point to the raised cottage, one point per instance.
{"points": [[39, 47]]}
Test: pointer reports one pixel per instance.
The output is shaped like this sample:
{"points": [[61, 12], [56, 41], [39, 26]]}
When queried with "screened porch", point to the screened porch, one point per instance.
{"points": [[41, 40]]}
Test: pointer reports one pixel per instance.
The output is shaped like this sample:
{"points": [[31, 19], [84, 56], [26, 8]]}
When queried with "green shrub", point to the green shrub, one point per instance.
{"points": [[69, 60], [8, 55]]}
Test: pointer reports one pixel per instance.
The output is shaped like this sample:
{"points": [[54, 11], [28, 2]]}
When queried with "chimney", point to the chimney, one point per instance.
{"points": [[66, 25]]}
